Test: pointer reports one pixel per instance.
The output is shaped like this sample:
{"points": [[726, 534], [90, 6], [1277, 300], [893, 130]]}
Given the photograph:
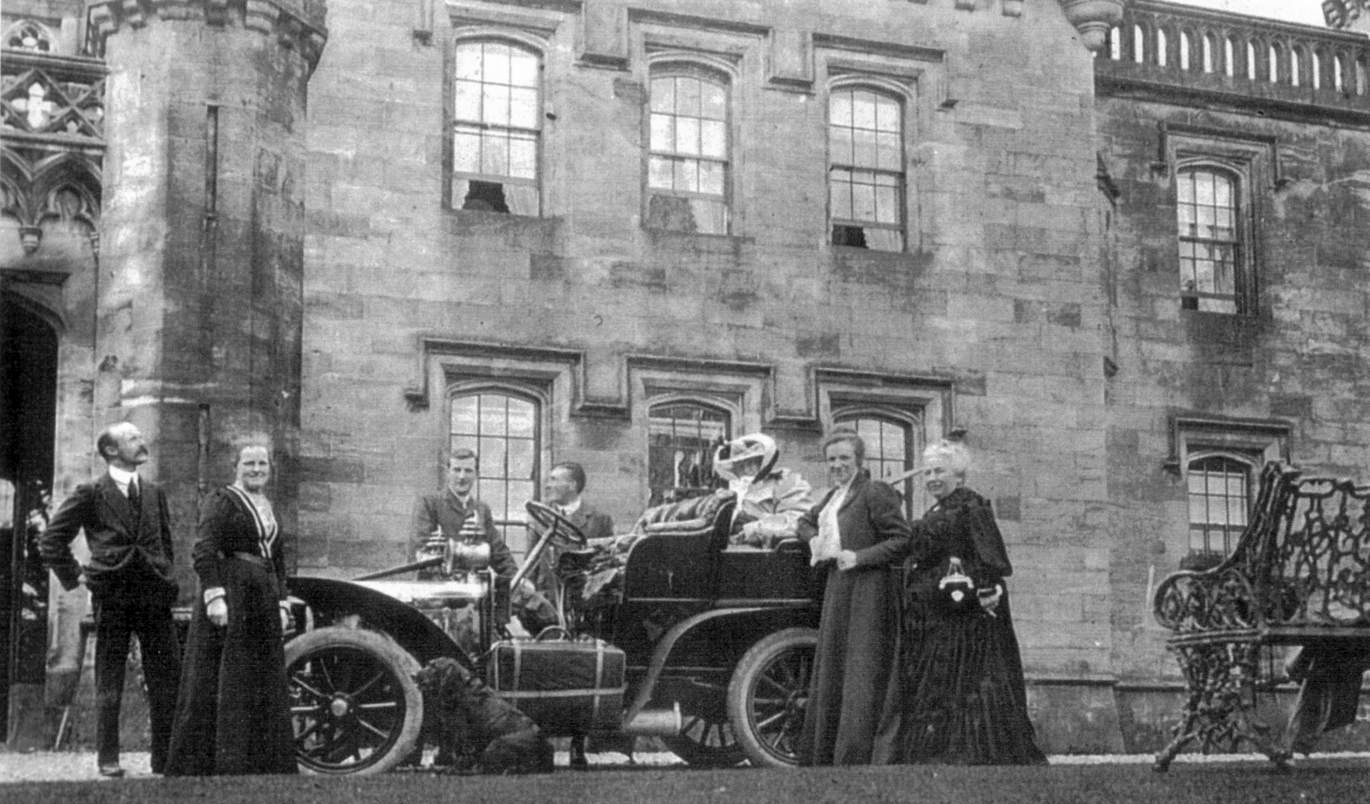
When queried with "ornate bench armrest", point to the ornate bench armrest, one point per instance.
{"points": [[1221, 598]]}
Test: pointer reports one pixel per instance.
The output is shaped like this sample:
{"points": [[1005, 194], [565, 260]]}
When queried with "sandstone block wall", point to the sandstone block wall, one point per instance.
{"points": [[997, 301]]}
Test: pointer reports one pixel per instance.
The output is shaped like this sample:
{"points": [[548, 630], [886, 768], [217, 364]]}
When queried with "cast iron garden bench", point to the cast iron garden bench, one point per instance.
{"points": [[1299, 576]]}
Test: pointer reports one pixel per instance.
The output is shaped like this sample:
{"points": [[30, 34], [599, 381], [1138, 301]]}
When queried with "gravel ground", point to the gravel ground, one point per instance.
{"points": [[1106, 780], [73, 766]]}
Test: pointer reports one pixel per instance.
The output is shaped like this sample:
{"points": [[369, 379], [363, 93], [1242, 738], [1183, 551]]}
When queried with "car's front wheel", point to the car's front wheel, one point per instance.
{"points": [[769, 694], [353, 701]]}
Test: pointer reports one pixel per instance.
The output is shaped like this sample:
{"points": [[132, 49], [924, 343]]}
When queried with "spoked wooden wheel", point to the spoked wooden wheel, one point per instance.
{"points": [[353, 701], [769, 694]]}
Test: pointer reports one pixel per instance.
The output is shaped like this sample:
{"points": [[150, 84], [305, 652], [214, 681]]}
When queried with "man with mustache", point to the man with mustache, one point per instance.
{"points": [[128, 531]]}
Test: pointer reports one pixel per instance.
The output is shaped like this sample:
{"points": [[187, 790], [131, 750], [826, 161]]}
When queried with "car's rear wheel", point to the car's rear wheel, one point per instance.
{"points": [[353, 701], [768, 696], [706, 739]]}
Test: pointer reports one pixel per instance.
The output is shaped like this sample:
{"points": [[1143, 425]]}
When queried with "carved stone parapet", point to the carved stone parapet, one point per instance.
{"points": [[1093, 19], [296, 24]]}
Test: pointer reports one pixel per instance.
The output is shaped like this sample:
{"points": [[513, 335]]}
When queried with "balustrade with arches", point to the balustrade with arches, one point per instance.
{"points": [[1193, 48]]}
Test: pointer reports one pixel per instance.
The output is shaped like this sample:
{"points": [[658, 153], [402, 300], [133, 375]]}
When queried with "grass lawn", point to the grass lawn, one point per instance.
{"points": [[1344, 781]]}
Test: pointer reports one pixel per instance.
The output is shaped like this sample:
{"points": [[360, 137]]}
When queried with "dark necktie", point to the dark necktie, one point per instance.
{"points": [[135, 500]]}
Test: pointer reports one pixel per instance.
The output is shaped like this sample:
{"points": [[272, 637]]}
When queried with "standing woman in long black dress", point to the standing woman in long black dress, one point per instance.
{"points": [[960, 697], [233, 713]]}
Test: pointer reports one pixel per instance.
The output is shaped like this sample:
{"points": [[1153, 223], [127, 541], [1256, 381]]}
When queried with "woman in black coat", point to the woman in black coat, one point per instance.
{"points": [[233, 712], [856, 630], [959, 695]]}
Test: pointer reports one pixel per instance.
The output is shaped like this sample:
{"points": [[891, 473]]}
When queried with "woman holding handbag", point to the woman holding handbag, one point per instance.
{"points": [[960, 697]]}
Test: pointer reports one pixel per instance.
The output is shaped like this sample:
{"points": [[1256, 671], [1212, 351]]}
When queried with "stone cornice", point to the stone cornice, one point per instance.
{"points": [[297, 24]]}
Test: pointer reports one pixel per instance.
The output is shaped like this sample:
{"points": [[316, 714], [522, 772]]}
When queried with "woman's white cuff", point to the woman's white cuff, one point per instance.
{"points": [[213, 593]]}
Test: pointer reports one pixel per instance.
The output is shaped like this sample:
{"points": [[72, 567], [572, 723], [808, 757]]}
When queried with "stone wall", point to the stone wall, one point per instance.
{"points": [[996, 309], [1299, 359]]}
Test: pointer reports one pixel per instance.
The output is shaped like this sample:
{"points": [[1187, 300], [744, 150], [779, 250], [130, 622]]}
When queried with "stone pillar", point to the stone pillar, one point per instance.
{"points": [[199, 299]]}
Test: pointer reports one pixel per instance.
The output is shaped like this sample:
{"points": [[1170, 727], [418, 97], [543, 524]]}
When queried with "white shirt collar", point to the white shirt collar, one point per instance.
{"points": [[570, 507], [121, 477]]}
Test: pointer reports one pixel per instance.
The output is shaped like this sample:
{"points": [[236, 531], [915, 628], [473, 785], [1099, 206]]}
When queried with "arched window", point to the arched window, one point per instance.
{"points": [[1251, 61], [687, 163], [681, 438], [504, 428], [29, 35], [1185, 45], [496, 127], [1162, 48], [1219, 486], [866, 168], [1229, 55], [1138, 44], [892, 447], [1210, 232]]}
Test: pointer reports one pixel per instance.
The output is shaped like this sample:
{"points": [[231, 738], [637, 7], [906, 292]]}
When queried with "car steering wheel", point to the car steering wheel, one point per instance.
{"points": [[564, 534]]}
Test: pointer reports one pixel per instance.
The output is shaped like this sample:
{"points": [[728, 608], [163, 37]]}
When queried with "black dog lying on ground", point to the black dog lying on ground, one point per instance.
{"points": [[476, 725]]}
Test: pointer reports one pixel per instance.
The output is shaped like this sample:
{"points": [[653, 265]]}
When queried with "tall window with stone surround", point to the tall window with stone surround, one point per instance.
{"points": [[496, 127], [681, 438], [1219, 500], [687, 161], [503, 428], [866, 168], [1208, 207]]}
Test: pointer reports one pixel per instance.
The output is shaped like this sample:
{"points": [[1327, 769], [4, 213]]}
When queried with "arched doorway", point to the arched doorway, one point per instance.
{"points": [[28, 412]]}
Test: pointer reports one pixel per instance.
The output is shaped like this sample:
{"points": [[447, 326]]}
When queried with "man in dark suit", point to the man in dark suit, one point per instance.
{"points": [[128, 531], [564, 485]]}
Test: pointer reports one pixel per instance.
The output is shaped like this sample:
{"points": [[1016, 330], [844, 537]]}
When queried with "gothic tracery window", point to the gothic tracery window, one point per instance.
{"points": [[29, 35]]}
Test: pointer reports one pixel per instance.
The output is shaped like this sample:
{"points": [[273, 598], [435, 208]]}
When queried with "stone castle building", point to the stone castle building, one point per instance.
{"points": [[1120, 242]]}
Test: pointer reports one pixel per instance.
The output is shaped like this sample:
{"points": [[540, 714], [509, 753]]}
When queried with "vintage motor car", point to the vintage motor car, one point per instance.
{"points": [[717, 642]]}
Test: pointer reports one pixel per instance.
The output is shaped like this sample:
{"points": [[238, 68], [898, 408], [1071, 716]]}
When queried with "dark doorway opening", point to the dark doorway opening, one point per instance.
{"points": [[28, 413]]}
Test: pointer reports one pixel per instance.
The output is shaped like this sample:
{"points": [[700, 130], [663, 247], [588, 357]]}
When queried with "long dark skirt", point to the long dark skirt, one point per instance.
{"points": [[962, 699], [851, 670], [233, 712]]}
